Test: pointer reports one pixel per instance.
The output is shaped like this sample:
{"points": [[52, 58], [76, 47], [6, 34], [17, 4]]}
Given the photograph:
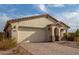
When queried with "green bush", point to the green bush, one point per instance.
{"points": [[8, 43], [74, 36], [77, 36], [77, 33], [71, 36]]}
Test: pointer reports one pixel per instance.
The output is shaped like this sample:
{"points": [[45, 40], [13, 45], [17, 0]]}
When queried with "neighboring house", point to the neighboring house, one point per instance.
{"points": [[39, 28]]}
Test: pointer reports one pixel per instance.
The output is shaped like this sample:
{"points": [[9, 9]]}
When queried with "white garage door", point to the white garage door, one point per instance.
{"points": [[31, 35]]}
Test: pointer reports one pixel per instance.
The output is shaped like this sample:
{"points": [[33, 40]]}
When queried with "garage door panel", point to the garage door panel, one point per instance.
{"points": [[32, 35]]}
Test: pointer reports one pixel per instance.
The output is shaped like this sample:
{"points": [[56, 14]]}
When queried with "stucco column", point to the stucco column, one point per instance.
{"points": [[65, 31], [59, 30], [53, 35]]}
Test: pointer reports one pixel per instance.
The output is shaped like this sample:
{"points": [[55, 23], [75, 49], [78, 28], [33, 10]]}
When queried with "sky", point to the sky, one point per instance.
{"points": [[67, 13]]}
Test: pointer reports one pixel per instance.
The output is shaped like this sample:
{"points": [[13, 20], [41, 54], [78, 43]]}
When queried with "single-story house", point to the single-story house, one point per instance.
{"points": [[37, 28]]}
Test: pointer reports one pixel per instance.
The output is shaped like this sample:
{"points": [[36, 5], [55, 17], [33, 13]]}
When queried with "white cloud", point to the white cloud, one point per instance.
{"points": [[57, 5], [42, 7], [3, 19], [71, 14], [71, 18]]}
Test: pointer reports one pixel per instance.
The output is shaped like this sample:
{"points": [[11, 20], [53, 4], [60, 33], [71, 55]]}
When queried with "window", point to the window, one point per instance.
{"points": [[14, 27]]}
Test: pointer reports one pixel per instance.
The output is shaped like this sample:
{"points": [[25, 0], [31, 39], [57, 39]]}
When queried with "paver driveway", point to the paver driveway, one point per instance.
{"points": [[49, 49]]}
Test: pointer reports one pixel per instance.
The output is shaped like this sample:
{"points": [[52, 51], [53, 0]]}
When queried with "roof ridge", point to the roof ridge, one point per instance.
{"points": [[18, 19]]}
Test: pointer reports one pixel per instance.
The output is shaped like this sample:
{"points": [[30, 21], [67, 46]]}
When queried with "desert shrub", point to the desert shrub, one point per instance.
{"points": [[74, 36], [8, 43], [77, 36], [1, 36], [69, 37], [77, 33]]}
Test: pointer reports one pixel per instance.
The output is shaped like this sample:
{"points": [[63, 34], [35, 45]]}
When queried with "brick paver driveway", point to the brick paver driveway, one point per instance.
{"points": [[48, 49]]}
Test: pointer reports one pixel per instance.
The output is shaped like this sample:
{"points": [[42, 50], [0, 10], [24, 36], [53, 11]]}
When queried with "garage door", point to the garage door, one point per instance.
{"points": [[31, 35]]}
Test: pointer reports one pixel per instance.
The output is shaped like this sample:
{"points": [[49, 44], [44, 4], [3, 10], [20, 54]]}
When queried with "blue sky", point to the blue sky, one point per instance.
{"points": [[68, 13]]}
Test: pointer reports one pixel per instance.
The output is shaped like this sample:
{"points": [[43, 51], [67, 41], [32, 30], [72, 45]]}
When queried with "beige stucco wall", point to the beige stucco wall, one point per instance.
{"points": [[14, 31], [37, 22]]}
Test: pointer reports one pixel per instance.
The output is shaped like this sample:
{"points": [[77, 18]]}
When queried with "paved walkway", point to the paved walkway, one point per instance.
{"points": [[49, 49]]}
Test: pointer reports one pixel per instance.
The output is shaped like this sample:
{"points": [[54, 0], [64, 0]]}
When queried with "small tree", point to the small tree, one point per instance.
{"points": [[77, 36]]}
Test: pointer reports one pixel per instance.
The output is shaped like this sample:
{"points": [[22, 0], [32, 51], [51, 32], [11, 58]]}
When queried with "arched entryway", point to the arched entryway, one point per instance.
{"points": [[56, 33]]}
